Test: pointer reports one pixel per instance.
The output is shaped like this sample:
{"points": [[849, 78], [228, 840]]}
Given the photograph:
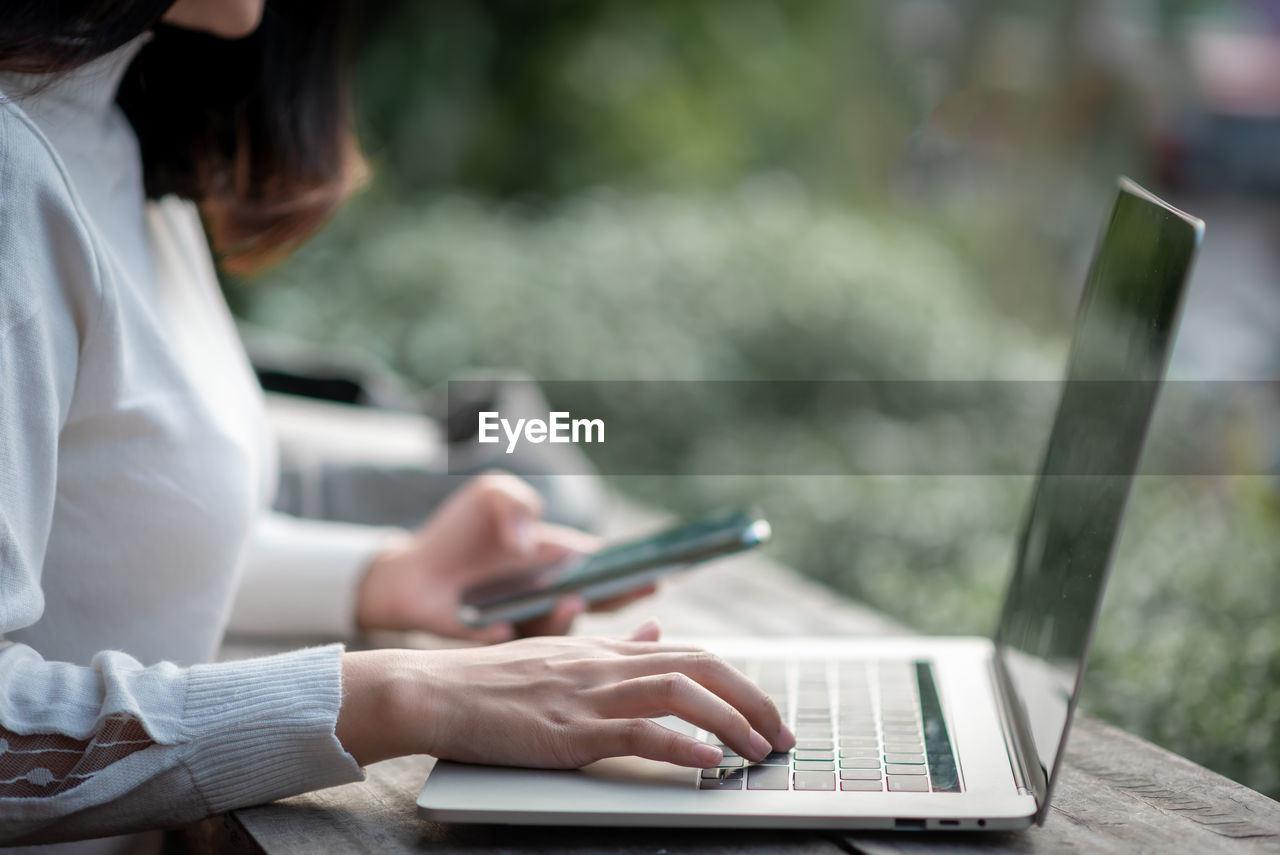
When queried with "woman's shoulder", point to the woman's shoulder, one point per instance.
{"points": [[45, 244], [31, 172]]}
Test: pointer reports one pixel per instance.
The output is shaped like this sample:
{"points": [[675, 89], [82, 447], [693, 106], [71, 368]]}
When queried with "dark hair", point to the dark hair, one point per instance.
{"points": [[257, 131]]}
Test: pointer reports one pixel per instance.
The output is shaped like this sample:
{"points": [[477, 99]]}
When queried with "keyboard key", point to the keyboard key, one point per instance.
{"points": [[814, 745], [808, 754], [896, 719], [731, 763], [777, 758], [711, 774], [904, 758], [868, 735], [847, 753], [768, 777], [896, 769], [815, 781], [903, 748], [823, 726], [814, 766], [859, 742], [890, 717], [861, 786], [907, 784], [861, 774], [860, 763], [720, 785]]}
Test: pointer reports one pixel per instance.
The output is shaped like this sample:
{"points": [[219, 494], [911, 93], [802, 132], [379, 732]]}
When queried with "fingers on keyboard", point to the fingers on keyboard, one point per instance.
{"points": [[724, 681]]}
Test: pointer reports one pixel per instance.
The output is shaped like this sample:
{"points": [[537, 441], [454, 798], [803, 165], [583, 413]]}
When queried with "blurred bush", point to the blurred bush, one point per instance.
{"points": [[1005, 123], [766, 283], [504, 97]]}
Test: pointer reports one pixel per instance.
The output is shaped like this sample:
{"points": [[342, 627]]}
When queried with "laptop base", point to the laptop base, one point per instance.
{"points": [[637, 792]]}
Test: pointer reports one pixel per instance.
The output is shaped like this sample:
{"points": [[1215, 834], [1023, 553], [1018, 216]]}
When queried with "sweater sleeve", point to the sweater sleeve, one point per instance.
{"points": [[113, 746], [301, 576], [116, 747]]}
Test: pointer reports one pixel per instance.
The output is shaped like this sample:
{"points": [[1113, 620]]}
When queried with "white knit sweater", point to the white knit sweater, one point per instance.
{"points": [[136, 470]]}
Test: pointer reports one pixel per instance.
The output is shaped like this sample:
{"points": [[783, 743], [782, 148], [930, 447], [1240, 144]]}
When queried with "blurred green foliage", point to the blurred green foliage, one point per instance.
{"points": [[506, 97], [742, 189]]}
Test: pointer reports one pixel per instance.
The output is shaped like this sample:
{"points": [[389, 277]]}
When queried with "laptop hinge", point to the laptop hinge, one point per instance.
{"points": [[1028, 774]]}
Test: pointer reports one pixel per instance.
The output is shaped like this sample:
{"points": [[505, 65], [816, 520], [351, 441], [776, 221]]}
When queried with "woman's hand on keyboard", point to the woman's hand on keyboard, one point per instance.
{"points": [[553, 703]]}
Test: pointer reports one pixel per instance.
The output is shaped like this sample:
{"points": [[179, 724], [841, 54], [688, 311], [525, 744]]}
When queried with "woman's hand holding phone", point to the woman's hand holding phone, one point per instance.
{"points": [[490, 528]]}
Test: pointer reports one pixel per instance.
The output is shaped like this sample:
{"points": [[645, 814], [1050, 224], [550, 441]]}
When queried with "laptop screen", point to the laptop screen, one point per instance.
{"points": [[1124, 331]]}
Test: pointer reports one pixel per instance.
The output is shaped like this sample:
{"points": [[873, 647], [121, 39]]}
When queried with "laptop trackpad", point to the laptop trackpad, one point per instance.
{"points": [[638, 770]]}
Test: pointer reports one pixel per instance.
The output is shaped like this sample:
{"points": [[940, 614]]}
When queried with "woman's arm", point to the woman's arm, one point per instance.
{"points": [[112, 746], [116, 747], [301, 577], [308, 577]]}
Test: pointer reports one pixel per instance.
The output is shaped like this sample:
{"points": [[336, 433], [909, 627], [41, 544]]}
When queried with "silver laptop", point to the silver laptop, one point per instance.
{"points": [[926, 733]]}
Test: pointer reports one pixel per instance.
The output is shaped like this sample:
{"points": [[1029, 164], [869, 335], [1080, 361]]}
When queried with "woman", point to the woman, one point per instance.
{"points": [[136, 470]]}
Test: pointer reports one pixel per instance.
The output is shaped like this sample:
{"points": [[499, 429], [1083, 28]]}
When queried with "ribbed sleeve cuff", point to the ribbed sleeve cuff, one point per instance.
{"points": [[262, 729]]}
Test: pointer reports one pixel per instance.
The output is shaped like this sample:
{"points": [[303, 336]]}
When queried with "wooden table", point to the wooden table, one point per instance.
{"points": [[1117, 793]]}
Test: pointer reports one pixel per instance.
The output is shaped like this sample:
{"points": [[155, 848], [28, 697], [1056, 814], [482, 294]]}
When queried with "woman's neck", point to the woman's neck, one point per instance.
{"points": [[92, 86]]}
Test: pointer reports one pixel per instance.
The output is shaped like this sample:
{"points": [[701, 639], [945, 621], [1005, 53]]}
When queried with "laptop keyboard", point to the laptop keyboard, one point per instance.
{"points": [[859, 726]]}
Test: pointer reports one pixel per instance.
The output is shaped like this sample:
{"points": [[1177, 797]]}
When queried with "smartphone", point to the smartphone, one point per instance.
{"points": [[614, 570]]}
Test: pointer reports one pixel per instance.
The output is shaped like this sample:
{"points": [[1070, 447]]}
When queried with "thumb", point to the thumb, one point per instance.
{"points": [[513, 506], [517, 523], [650, 630]]}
